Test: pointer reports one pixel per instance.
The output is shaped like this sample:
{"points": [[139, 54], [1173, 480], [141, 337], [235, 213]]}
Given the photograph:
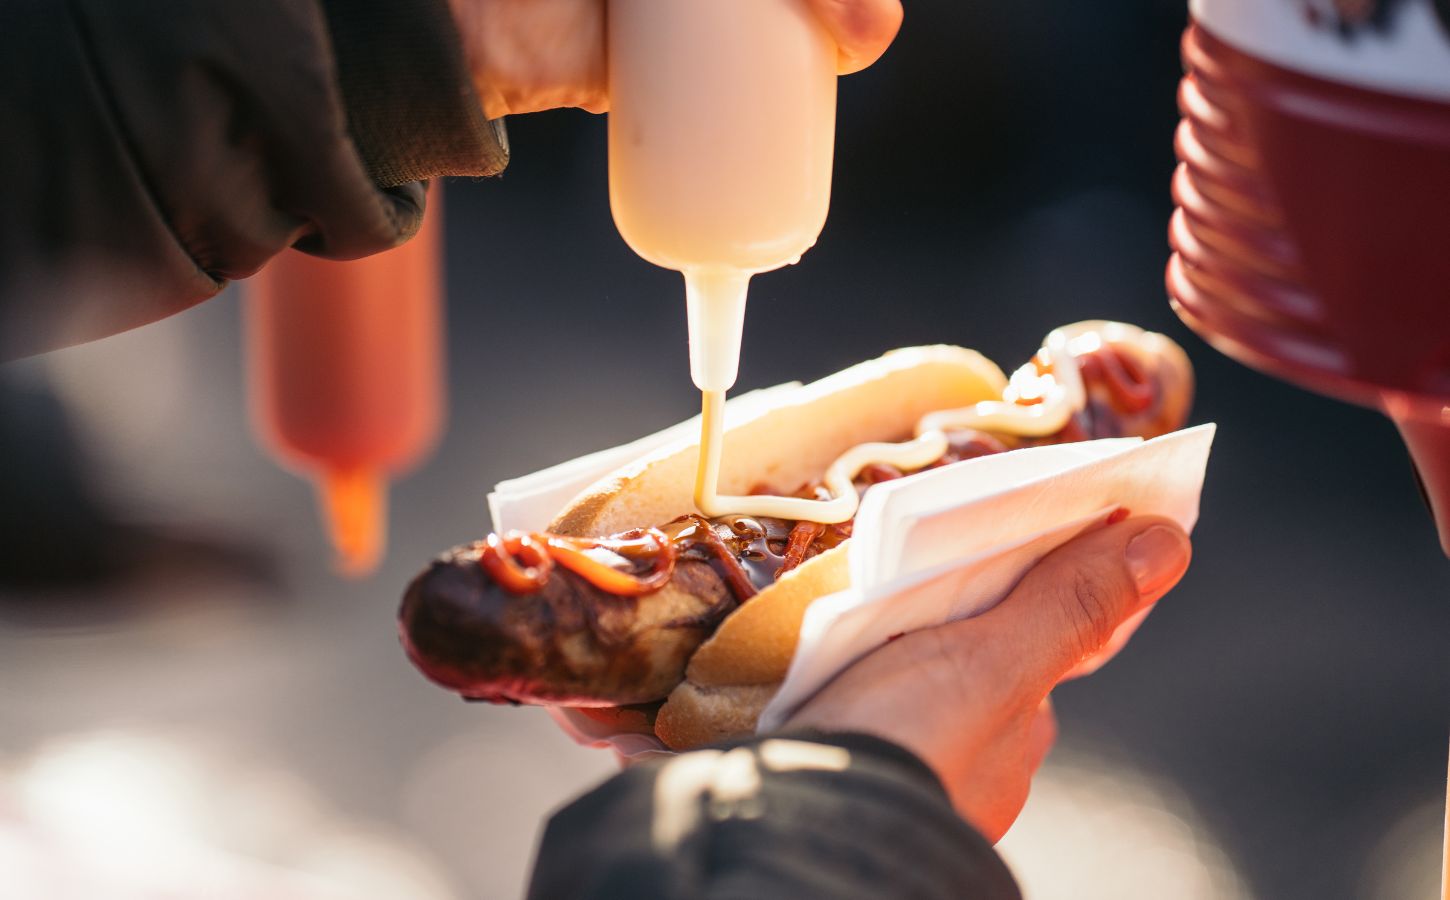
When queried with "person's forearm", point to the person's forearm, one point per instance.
{"points": [[412, 111], [158, 150], [795, 815]]}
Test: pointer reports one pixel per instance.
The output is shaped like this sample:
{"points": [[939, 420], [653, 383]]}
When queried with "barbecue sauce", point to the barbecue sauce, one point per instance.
{"points": [[751, 552], [1122, 398]]}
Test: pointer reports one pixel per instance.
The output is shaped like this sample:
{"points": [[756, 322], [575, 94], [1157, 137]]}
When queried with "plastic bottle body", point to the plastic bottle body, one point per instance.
{"points": [[721, 130]]}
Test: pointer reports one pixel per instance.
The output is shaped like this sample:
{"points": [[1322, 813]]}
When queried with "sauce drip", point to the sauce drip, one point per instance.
{"points": [[746, 552], [1040, 400], [628, 565], [1128, 388], [698, 538], [802, 536], [1120, 398], [518, 562]]}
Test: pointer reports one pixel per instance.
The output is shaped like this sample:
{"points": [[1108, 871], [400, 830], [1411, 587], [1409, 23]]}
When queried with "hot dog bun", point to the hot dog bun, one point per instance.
{"points": [[792, 441], [734, 674]]}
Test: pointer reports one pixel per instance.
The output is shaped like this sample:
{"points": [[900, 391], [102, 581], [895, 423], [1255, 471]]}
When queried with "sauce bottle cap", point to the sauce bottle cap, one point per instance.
{"points": [[354, 510]]}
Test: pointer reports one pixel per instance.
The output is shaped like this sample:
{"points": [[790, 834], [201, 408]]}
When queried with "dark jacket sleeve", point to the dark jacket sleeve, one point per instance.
{"points": [[792, 816], [154, 149]]}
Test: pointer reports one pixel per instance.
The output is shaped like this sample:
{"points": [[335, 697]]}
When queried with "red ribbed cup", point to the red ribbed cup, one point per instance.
{"points": [[1312, 238]]}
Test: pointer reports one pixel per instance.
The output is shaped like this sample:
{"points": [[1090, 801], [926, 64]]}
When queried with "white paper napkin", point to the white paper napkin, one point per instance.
{"points": [[950, 543], [939, 546]]}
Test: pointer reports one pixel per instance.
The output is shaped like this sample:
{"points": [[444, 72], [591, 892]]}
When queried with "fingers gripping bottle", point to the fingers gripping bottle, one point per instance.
{"points": [[345, 365], [1312, 234]]}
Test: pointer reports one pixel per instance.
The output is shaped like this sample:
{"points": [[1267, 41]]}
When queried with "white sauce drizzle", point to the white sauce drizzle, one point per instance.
{"points": [[1034, 404]]}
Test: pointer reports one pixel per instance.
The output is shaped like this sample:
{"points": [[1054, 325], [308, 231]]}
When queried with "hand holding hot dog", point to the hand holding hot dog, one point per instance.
{"points": [[531, 55], [969, 698]]}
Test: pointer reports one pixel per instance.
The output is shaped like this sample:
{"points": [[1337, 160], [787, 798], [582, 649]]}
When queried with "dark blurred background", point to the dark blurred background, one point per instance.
{"points": [[176, 652]]}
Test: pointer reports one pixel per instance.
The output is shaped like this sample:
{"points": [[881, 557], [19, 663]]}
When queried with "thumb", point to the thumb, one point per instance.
{"points": [[1067, 607], [862, 29]]}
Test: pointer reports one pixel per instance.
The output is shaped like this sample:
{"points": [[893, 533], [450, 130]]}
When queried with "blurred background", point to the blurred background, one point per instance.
{"points": [[193, 704]]}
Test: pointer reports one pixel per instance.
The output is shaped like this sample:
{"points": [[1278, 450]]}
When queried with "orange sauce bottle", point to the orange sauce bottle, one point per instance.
{"points": [[345, 363]]}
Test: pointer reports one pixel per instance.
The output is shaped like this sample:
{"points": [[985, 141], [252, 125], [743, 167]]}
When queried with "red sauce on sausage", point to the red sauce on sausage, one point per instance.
{"points": [[518, 562], [802, 536], [1122, 376], [1122, 396], [521, 563], [696, 533]]}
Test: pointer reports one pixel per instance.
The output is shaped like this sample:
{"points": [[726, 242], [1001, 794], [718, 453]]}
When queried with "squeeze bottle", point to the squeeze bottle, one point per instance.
{"points": [[345, 365], [721, 133]]}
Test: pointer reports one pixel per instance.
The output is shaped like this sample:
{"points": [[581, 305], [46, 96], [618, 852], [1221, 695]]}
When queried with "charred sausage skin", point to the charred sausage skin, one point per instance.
{"points": [[569, 644]]}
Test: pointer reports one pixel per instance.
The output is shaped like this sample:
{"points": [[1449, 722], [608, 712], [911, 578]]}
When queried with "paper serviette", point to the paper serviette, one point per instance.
{"points": [[950, 543], [941, 545]]}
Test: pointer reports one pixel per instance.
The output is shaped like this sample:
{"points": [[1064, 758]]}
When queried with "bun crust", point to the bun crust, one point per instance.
{"points": [[755, 643], [791, 442], [733, 675], [696, 715]]}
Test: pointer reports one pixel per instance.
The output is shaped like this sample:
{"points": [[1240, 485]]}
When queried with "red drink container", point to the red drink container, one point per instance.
{"points": [[1312, 236]]}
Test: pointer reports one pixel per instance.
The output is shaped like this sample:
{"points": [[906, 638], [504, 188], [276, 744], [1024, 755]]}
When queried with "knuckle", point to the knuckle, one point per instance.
{"points": [[1089, 608]]}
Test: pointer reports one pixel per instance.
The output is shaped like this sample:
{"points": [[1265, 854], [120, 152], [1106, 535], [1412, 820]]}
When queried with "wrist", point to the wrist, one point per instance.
{"points": [[411, 110]]}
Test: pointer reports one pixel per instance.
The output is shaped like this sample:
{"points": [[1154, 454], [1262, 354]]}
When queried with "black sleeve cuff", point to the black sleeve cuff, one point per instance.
{"points": [[867, 750], [411, 107], [796, 814]]}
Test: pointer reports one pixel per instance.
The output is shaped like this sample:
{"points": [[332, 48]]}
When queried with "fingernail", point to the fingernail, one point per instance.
{"points": [[1156, 558]]}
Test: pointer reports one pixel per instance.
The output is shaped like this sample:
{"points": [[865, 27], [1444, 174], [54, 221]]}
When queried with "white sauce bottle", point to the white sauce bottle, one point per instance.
{"points": [[721, 135]]}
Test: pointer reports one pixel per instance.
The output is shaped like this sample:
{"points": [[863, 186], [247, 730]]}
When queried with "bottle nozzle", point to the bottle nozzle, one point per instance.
{"points": [[354, 509], [715, 311]]}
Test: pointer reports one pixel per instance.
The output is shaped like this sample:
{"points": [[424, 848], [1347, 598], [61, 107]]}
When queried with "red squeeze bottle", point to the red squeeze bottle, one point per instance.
{"points": [[1312, 234], [346, 376]]}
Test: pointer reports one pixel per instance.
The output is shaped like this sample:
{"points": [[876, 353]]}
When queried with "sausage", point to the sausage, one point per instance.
{"points": [[568, 643]]}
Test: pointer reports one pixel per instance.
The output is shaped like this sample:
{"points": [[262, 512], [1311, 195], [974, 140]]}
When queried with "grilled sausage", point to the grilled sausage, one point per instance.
{"points": [[568, 643]]}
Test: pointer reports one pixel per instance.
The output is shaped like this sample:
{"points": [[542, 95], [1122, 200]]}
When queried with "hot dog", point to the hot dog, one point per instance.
{"points": [[631, 597]]}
